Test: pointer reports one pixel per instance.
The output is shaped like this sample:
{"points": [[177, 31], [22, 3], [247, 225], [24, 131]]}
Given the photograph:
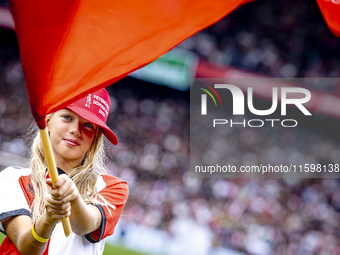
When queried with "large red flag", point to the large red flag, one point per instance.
{"points": [[72, 47], [330, 10]]}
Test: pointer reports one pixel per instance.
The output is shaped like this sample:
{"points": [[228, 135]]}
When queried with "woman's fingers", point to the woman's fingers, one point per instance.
{"points": [[60, 181], [59, 214], [58, 205], [55, 204], [55, 210], [49, 182], [64, 196], [70, 197], [64, 189]]}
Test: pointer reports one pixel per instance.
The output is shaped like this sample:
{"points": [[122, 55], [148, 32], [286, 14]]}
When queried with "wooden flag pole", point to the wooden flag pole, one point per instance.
{"points": [[53, 172]]}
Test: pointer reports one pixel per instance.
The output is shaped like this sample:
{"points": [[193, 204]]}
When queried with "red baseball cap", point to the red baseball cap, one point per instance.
{"points": [[95, 108]]}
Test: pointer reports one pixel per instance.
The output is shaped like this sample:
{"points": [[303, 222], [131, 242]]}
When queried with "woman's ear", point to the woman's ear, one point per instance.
{"points": [[47, 122]]}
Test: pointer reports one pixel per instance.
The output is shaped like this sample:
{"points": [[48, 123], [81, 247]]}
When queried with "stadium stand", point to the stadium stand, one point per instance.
{"points": [[170, 213]]}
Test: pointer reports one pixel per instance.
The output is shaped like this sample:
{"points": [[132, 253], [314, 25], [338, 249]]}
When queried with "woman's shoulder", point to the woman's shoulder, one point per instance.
{"points": [[13, 192], [113, 184], [14, 172], [106, 180], [110, 178]]}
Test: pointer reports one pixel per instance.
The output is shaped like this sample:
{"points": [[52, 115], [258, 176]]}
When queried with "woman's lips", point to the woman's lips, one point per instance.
{"points": [[71, 142]]}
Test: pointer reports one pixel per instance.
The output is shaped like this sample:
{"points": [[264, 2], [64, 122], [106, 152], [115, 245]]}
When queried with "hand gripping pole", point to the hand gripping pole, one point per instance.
{"points": [[53, 172]]}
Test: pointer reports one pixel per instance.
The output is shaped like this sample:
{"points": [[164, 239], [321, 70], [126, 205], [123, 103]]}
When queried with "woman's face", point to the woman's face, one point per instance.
{"points": [[71, 137]]}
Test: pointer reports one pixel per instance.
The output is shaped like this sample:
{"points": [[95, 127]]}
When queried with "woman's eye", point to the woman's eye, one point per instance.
{"points": [[67, 117], [87, 124]]}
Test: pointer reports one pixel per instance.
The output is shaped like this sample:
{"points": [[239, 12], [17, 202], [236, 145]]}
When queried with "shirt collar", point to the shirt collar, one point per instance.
{"points": [[60, 171]]}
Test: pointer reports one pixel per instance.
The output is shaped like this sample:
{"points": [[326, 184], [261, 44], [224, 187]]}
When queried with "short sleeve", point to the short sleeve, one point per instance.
{"points": [[116, 193], [13, 200]]}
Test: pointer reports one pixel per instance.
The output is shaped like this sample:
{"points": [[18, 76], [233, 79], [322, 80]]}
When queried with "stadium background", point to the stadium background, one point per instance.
{"points": [[169, 213]]}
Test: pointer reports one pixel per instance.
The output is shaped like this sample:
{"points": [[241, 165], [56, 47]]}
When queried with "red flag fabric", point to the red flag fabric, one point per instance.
{"points": [[72, 47], [330, 10]]}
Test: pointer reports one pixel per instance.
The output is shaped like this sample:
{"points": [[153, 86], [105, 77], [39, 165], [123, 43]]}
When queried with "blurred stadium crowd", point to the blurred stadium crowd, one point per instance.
{"points": [[277, 38], [236, 216]]}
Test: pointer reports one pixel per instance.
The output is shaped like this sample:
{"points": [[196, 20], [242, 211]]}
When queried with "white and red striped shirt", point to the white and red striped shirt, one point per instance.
{"points": [[17, 194]]}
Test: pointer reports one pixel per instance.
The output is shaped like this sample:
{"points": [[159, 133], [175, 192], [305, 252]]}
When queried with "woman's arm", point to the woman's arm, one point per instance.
{"points": [[18, 229], [84, 218], [64, 201]]}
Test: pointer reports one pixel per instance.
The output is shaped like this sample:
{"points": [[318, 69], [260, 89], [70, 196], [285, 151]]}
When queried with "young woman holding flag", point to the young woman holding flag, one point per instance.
{"points": [[32, 208]]}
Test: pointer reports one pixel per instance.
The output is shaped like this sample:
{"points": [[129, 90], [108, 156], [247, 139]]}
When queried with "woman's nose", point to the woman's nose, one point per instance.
{"points": [[74, 129]]}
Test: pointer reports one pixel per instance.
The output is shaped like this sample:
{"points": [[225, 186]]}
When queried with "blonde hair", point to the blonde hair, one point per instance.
{"points": [[84, 176]]}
